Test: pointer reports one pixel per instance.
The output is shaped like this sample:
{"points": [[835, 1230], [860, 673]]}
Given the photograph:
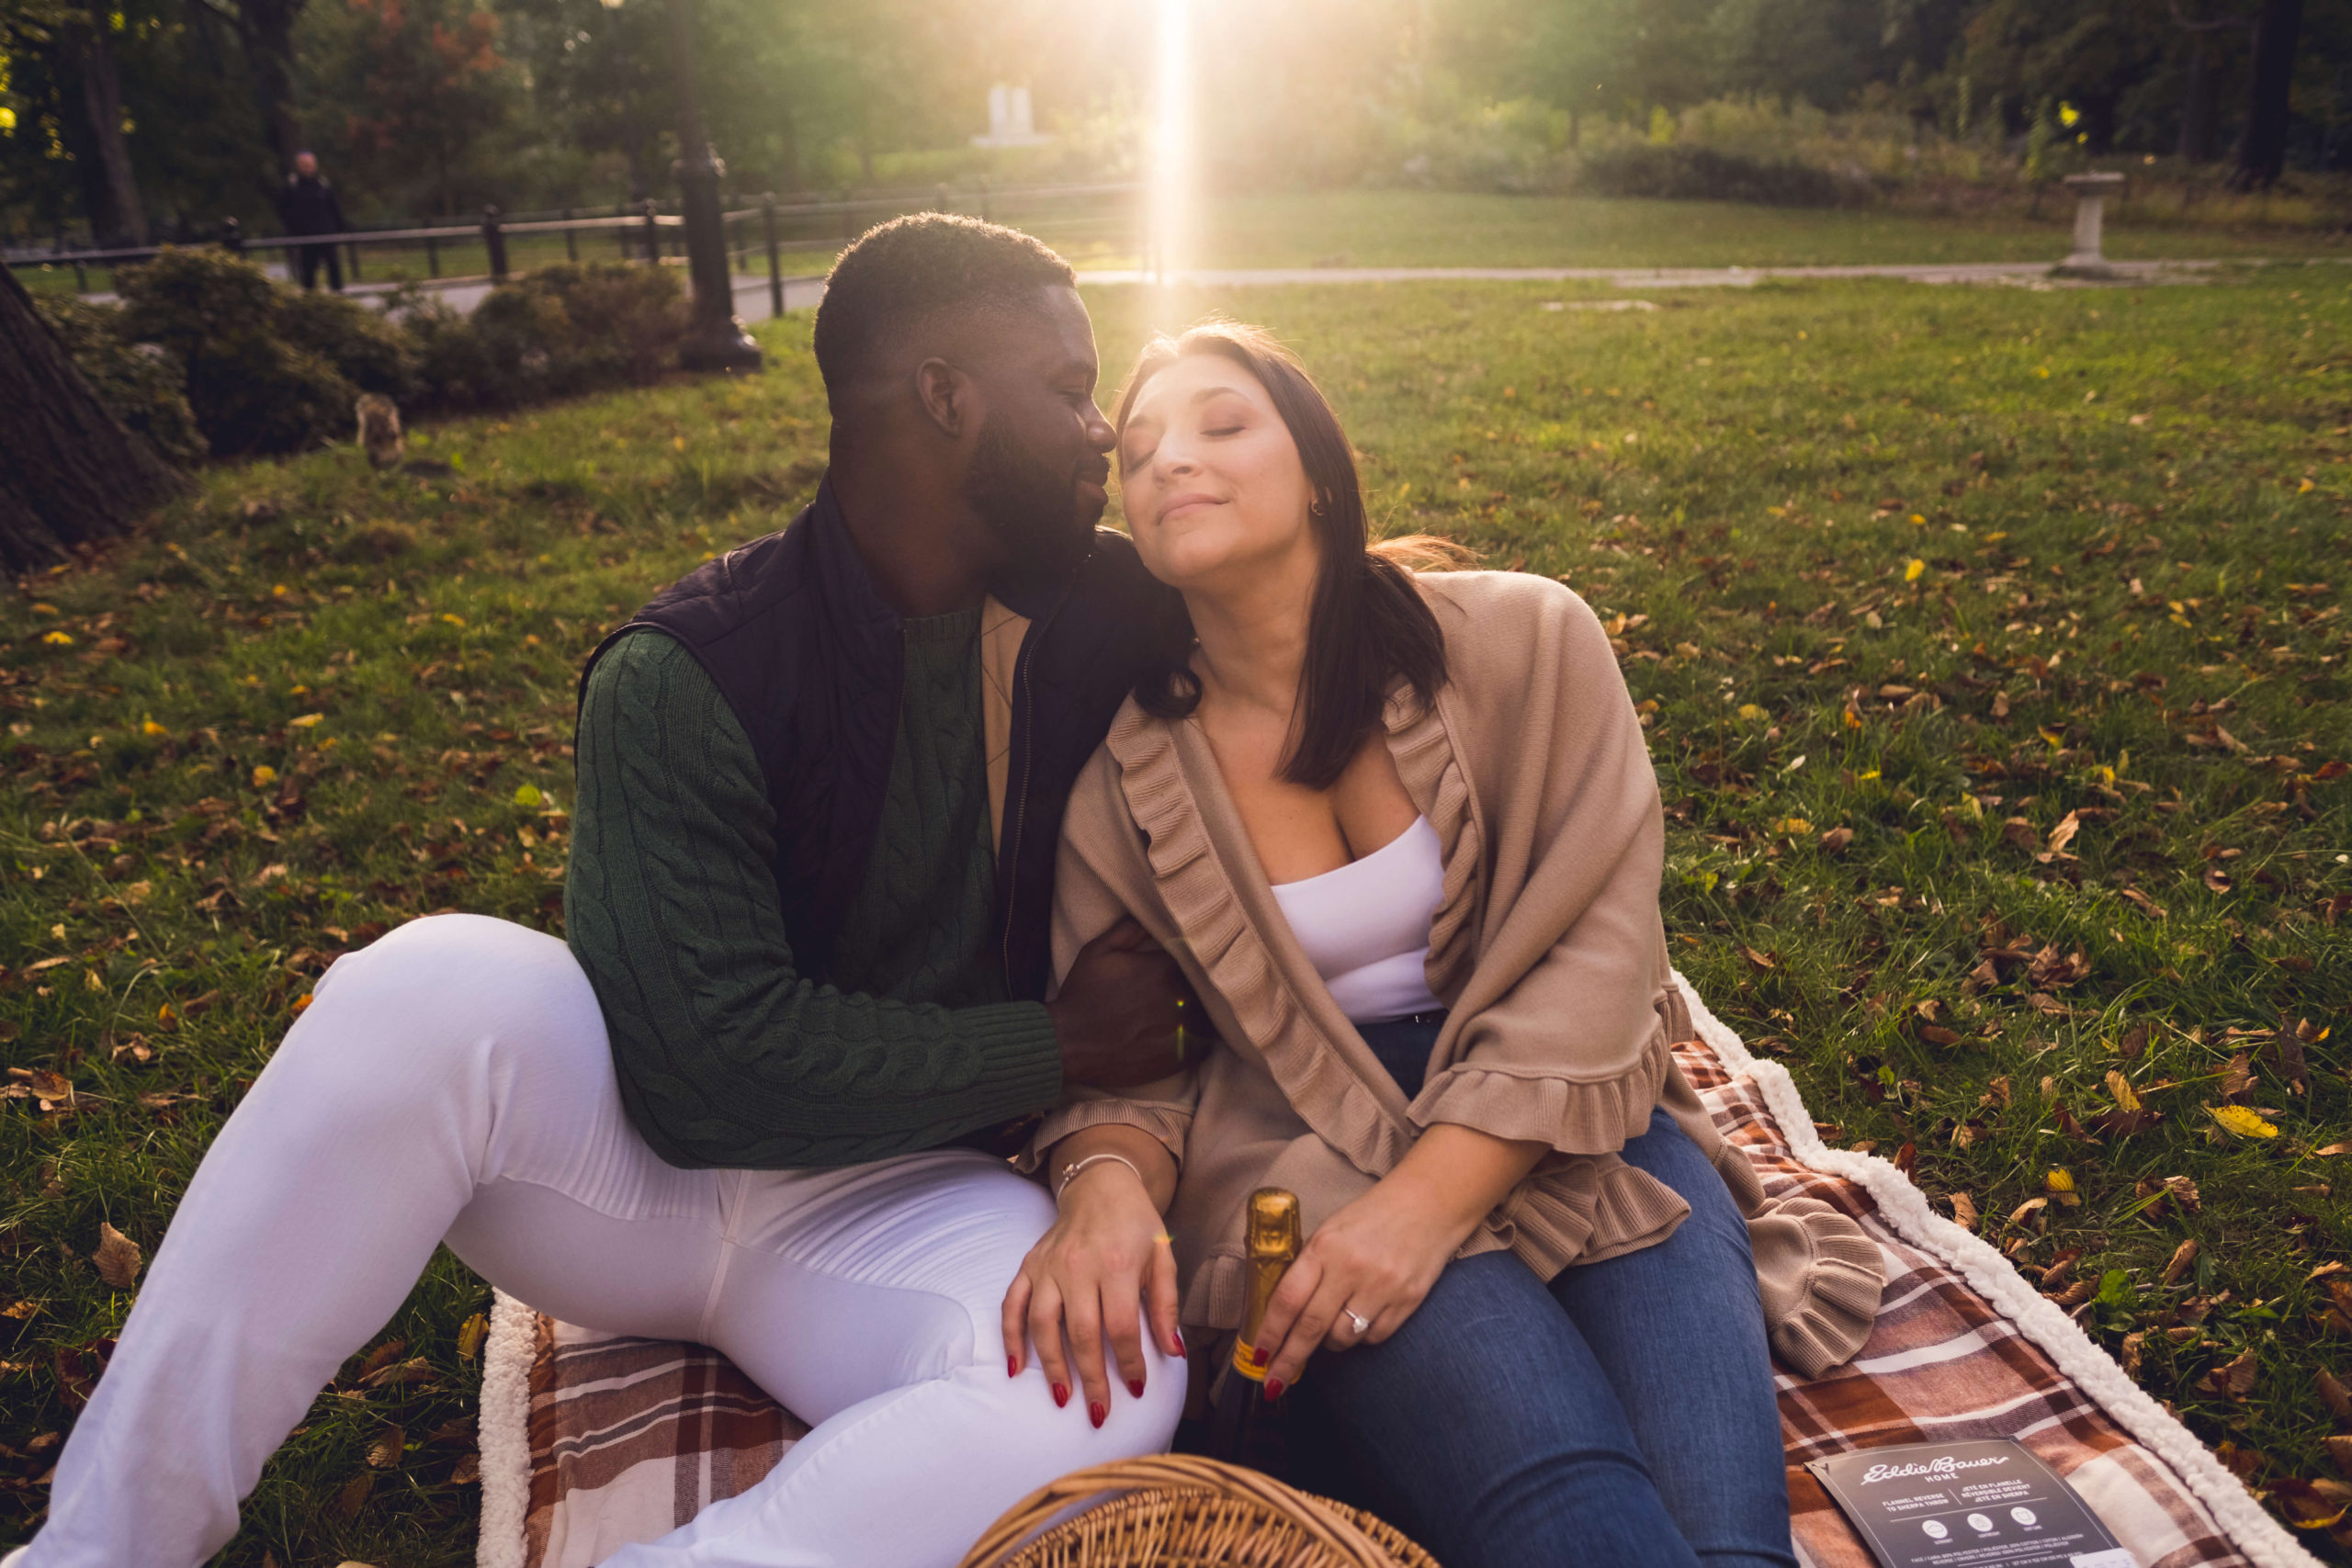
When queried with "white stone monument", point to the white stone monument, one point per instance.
{"points": [[1009, 119], [2091, 192]]}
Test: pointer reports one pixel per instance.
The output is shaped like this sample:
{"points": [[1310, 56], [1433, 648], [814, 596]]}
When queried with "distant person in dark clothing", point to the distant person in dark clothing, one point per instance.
{"points": [[308, 206]]}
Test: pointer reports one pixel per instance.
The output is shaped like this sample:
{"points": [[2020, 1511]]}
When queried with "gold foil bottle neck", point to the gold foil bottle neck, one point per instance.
{"points": [[1272, 1224], [1272, 1244]]}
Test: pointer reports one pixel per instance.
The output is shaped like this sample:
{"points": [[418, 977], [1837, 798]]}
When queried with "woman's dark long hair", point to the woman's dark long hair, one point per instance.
{"points": [[1368, 627]]}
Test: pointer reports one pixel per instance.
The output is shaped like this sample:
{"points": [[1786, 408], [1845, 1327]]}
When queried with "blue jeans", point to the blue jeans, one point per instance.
{"points": [[1622, 1415]]}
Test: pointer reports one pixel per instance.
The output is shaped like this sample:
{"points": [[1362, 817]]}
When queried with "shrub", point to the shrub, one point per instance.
{"points": [[252, 385], [263, 367], [367, 349], [625, 320], [144, 386], [1702, 174], [260, 394], [552, 333]]}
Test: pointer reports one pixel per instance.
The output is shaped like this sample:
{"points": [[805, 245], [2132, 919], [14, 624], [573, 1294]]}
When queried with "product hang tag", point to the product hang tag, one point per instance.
{"points": [[1980, 1504]]}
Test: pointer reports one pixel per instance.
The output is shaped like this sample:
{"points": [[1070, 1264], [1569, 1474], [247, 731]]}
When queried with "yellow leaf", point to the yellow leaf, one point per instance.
{"points": [[1750, 711], [151, 728], [471, 1334], [2245, 1123], [453, 620], [306, 721], [528, 797], [2304, 489], [264, 776], [1913, 569], [678, 442], [57, 639], [1796, 825], [2059, 1180]]}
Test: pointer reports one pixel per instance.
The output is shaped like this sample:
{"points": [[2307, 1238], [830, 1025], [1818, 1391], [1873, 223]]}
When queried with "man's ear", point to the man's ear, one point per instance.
{"points": [[950, 398]]}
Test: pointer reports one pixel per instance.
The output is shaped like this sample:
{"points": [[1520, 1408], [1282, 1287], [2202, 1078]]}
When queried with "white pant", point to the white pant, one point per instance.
{"points": [[452, 1083]]}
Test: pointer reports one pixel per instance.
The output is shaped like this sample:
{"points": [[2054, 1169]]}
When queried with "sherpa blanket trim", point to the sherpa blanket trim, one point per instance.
{"points": [[513, 1340], [502, 1431]]}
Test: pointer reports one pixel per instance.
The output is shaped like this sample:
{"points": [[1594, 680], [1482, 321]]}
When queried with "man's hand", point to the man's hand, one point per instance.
{"points": [[1127, 1014]]}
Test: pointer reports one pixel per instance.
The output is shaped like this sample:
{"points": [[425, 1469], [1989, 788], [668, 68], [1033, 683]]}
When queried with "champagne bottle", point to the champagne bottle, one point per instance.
{"points": [[1245, 1427]]}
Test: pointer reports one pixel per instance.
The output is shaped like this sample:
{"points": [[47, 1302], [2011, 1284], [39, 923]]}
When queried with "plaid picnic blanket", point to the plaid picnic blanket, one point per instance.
{"points": [[590, 1441]]}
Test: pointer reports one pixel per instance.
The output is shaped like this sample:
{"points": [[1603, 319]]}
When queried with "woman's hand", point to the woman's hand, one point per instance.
{"points": [[1376, 1258], [1089, 1275]]}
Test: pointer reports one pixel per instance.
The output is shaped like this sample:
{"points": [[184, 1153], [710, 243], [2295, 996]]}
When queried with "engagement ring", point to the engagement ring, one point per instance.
{"points": [[1362, 1323]]}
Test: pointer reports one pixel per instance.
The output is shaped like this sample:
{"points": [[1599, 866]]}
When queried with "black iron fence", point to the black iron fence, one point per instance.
{"points": [[1097, 217]]}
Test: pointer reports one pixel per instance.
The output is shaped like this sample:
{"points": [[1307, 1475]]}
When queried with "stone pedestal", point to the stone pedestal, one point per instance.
{"points": [[2091, 192]]}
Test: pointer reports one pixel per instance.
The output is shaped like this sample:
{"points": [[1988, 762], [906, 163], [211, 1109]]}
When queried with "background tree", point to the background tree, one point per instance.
{"points": [[69, 473]]}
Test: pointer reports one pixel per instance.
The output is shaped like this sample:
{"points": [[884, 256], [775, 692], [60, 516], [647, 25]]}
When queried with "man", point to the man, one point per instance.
{"points": [[821, 783], [309, 206]]}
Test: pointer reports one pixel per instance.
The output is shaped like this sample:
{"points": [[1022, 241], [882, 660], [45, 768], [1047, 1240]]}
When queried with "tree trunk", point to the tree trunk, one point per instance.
{"points": [[2202, 106], [266, 30], [2262, 151], [69, 473], [125, 220]]}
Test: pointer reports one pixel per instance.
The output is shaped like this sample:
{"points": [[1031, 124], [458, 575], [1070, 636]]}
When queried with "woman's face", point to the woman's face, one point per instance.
{"points": [[1210, 478]]}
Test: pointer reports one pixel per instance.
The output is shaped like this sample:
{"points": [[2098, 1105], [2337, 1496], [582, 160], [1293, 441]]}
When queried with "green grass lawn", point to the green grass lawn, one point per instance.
{"points": [[1404, 228], [1993, 652]]}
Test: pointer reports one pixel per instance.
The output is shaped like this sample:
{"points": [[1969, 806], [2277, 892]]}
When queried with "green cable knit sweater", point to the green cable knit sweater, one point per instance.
{"points": [[727, 1054]]}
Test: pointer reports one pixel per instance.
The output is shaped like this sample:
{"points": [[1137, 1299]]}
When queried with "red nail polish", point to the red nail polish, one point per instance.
{"points": [[1061, 1395], [1258, 1357], [1134, 1387], [1180, 1344], [1012, 1366], [1099, 1412], [1274, 1389]]}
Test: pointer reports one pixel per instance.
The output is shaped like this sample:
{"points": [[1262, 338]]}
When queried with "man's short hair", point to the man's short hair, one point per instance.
{"points": [[910, 268]]}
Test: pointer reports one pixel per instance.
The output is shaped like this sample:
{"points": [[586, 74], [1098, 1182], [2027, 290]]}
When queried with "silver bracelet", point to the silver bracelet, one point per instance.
{"points": [[1070, 1171]]}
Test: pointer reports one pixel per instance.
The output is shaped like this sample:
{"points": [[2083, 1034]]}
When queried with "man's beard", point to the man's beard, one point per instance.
{"points": [[1026, 504]]}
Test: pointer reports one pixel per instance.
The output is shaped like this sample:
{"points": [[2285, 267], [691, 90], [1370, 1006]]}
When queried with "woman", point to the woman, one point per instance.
{"points": [[1402, 832]]}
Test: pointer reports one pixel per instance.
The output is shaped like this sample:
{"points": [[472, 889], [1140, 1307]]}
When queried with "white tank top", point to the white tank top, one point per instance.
{"points": [[1366, 926]]}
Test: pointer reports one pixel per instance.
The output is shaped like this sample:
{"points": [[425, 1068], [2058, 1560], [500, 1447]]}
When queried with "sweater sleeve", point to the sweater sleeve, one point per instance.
{"points": [[726, 1055]]}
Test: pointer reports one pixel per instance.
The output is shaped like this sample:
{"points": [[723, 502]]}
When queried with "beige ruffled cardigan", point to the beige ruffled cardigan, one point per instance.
{"points": [[1547, 948]]}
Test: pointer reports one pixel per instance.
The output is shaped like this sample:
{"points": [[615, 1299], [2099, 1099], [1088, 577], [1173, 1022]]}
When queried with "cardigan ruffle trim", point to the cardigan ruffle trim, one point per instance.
{"points": [[1574, 1117]]}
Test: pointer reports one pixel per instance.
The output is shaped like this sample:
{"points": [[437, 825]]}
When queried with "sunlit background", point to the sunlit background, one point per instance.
{"points": [[172, 116]]}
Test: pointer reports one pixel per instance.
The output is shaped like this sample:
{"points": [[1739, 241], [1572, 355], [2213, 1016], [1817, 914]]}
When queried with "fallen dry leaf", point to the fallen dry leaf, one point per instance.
{"points": [[471, 1334], [467, 1470], [416, 1368], [2183, 1256], [1761, 961], [2334, 1149], [2233, 1380], [2304, 1506], [1963, 1210], [49, 1086], [2242, 1122], [2133, 1343], [353, 1495], [382, 1356], [2063, 834], [2237, 1078], [2340, 1450], [385, 1451], [118, 1257], [2333, 1394], [1835, 840]]}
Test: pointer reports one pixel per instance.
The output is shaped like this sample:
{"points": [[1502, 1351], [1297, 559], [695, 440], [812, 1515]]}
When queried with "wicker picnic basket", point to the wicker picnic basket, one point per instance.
{"points": [[1181, 1511]]}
